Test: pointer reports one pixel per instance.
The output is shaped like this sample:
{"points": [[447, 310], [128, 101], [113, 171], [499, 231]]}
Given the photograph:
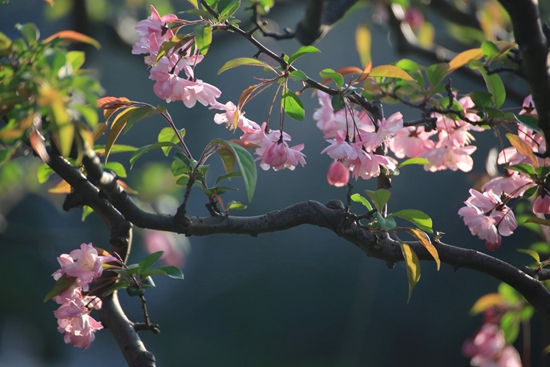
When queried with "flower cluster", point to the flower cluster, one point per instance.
{"points": [[73, 314], [272, 148], [451, 150], [353, 140], [169, 85], [485, 214], [488, 347]]}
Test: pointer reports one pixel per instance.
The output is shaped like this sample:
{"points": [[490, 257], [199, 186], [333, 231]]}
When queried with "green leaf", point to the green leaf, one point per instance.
{"points": [[509, 294], [235, 205], [304, 50], [227, 8], [171, 271], [529, 192], [359, 199], [298, 76], [390, 71], [535, 255], [116, 128], [122, 283], [134, 292], [203, 37], [416, 160], [379, 197], [490, 50], [413, 266], [76, 59], [493, 82], [292, 105], [138, 153], [337, 102], [481, 99], [331, 74], [86, 210], [168, 134], [147, 282], [387, 224], [509, 324], [487, 301], [544, 222], [240, 61], [530, 121], [437, 72], [523, 168], [60, 286], [246, 165], [148, 261], [43, 173], [228, 176], [417, 217], [29, 32], [117, 168]]}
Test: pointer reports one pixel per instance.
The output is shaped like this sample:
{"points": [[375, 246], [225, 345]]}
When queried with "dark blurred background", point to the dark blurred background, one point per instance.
{"points": [[299, 298]]}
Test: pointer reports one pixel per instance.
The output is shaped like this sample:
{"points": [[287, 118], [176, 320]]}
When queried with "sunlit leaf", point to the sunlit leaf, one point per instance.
{"points": [[464, 58], [413, 266], [437, 72], [86, 210], [359, 199], [531, 253], [509, 324], [241, 61], [292, 105], [544, 222], [330, 74], [148, 261], [73, 36], [416, 160], [304, 50], [523, 168], [492, 81], [379, 197], [203, 37], [417, 217], [487, 301], [29, 32], [117, 168], [390, 71], [118, 124], [363, 43], [424, 240], [523, 148], [62, 187], [141, 151], [235, 205]]}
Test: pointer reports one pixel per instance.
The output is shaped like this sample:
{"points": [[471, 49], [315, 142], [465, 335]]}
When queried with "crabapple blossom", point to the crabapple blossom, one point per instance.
{"points": [[411, 142], [542, 202], [528, 106], [153, 31], [450, 157], [387, 128], [488, 218], [338, 174], [457, 131], [88, 265], [233, 117], [164, 241], [330, 121], [367, 165], [512, 184], [488, 349], [278, 155]]}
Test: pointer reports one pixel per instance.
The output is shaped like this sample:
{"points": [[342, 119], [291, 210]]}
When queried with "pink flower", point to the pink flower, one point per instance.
{"points": [[87, 265], [411, 142], [512, 184], [542, 202], [155, 27], [387, 128], [330, 121], [341, 149], [338, 174], [529, 106], [414, 17], [173, 88], [488, 218], [450, 157], [457, 131], [488, 349], [367, 165], [232, 117], [164, 241], [278, 155]]}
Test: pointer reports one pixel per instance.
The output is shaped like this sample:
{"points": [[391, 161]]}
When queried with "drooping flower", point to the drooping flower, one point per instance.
{"points": [[488, 349], [512, 184], [233, 118], [278, 155], [338, 174], [387, 128], [450, 157], [542, 202], [86, 265], [154, 31], [411, 142]]}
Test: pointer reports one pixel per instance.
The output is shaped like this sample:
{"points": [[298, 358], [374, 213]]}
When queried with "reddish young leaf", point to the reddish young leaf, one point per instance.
{"points": [[73, 36]]}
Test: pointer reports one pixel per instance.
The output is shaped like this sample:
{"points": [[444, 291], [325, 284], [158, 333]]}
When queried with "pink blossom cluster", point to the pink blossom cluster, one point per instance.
{"points": [[353, 141], [169, 85], [450, 151], [73, 316], [488, 348], [272, 148], [485, 214]]}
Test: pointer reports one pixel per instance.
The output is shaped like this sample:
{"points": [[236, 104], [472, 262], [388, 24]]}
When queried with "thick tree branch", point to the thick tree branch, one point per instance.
{"points": [[533, 48]]}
